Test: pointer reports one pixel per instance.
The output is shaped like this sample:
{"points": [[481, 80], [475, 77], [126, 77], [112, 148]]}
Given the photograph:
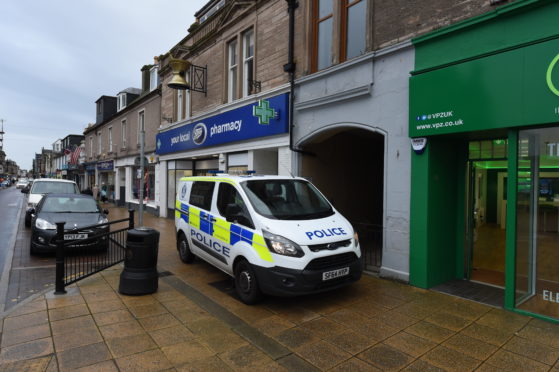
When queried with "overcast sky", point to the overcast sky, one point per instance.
{"points": [[57, 57]]}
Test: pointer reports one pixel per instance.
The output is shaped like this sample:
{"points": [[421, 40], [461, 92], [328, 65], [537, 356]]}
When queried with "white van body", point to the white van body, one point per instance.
{"points": [[275, 235]]}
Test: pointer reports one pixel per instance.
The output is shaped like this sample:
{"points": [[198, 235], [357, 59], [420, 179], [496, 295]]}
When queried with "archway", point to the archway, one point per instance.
{"points": [[347, 165]]}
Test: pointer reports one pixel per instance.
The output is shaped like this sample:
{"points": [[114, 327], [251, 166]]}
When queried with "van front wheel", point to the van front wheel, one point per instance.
{"points": [[185, 253], [246, 284]]}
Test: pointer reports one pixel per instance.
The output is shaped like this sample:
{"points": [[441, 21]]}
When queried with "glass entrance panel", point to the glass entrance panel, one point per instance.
{"points": [[486, 261], [486, 212], [537, 240]]}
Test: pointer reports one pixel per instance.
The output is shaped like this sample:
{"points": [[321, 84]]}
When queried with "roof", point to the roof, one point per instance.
{"points": [[223, 177], [131, 91], [52, 180], [83, 196]]}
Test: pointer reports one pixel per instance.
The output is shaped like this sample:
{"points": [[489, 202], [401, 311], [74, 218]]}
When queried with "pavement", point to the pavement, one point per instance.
{"points": [[194, 322]]}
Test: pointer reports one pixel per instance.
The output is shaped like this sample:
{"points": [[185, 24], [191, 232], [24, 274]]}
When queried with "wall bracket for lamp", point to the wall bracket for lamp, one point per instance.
{"points": [[198, 76]]}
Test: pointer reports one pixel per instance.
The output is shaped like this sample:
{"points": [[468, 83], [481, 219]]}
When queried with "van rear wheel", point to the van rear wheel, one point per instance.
{"points": [[246, 284], [185, 253]]}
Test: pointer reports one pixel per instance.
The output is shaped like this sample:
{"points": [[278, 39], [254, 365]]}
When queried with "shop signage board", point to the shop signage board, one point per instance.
{"points": [[519, 87], [105, 165], [266, 117]]}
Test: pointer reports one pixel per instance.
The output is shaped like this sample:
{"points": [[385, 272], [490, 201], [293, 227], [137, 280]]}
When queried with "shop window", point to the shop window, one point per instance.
{"points": [[149, 182], [488, 149], [339, 31], [537, 222], [173, 178], [201, 195]]}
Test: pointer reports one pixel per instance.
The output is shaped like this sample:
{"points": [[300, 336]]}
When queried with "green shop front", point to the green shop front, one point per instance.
{"points": [[484, 106]]}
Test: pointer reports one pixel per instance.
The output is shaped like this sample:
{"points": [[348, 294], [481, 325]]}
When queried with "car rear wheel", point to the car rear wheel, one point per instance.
{"points": [[185, 253], [246, 284]]}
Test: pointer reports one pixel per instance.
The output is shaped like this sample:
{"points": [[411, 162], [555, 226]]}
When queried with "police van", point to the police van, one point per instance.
{"points": [[274, 235]]}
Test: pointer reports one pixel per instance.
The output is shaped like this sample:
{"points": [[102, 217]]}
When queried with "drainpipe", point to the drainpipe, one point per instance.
{"points": [[290, 68]]}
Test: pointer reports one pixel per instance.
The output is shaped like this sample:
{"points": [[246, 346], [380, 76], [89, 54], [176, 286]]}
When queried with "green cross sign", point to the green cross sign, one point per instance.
{"points": [[263, 111]]}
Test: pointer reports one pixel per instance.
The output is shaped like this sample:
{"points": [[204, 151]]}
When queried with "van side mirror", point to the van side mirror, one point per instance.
{"points": [[106, 212], [232, 211]]}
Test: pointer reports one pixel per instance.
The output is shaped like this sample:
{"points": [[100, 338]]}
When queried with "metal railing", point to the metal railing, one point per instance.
{"points": [[370, 240], [84, 251]]}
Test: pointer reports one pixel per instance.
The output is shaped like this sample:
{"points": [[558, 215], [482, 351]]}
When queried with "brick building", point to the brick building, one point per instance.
{"points": [[112, 144]]}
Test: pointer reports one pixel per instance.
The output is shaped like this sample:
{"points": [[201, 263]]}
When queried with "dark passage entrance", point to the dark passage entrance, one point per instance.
{"points": [[348, 167]]}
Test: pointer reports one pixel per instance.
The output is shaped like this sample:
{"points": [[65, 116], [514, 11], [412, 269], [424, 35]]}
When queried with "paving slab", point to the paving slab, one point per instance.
{"points": [[192, 324]]}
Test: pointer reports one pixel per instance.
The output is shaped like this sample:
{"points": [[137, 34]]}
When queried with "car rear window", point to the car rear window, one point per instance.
{"points": [[46, 187]]}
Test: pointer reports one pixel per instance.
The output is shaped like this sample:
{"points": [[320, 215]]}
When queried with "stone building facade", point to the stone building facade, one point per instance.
{"points": [[241, 48]]}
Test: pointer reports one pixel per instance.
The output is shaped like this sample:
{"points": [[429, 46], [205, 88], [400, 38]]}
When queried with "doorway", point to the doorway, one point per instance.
{"points": [[486, 222], [347, 166]]}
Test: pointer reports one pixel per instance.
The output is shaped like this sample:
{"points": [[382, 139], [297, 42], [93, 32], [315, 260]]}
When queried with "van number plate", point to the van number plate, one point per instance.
{"points": [[335, 273], [75, 236]]}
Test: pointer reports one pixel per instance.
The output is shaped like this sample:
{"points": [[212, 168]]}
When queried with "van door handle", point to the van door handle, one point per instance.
{"points": [[213, 219]]}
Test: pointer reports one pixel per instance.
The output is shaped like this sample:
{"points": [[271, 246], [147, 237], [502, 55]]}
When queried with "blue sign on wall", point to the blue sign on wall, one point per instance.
{"points": [[264, 118], [105, 165]]}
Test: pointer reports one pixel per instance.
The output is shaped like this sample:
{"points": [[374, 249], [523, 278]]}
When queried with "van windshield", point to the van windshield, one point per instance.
{"points": [[287, 199]]}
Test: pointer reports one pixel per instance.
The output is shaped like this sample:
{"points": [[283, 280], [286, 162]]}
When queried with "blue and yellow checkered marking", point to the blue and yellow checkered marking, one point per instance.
{"points": [[227, 232]]}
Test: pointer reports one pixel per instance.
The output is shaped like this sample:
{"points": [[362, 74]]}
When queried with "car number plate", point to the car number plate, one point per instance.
{"points": [[75, 236], [335, 273]]}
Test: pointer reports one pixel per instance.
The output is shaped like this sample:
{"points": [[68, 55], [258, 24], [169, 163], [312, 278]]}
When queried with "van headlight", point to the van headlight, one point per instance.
{"points": [[281, 245], [356, 239], [44, 224], [103, 220]]}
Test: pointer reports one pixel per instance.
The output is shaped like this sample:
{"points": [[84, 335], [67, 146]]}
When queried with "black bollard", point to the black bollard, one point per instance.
{"points": [[140, 264]]}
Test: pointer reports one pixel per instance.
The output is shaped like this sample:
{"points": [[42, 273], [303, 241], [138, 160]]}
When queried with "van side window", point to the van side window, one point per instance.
{"points": [[201, 194], [230, 204]]}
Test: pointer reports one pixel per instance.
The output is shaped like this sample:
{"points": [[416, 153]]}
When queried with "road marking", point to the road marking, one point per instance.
{"points": [[12, 205], [34, 267]]}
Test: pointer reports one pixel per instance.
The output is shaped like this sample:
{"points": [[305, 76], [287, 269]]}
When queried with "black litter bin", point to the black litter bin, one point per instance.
{"points": [[140, 264]]}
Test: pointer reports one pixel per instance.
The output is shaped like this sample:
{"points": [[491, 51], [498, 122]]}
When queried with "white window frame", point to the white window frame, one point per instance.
{"points": [[153, 78], [247, 60], [180, 106], [141, 123], [232, 70], [110, 140], [121, 101], [123, 133]]}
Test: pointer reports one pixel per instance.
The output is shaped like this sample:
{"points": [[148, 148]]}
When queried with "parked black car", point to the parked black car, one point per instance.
{"points": [[85, 222]]}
